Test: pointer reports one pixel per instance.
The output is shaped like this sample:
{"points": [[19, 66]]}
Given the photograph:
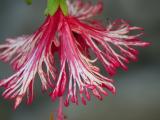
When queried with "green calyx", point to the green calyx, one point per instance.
{"points": [[54, 5]]}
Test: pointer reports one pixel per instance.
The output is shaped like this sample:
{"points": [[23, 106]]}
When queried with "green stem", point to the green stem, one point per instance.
{"points": [[29, 2]]}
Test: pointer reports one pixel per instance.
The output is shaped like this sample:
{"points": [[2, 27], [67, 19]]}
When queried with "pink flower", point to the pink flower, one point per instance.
{"points": [[28, 55], [77, 39]]}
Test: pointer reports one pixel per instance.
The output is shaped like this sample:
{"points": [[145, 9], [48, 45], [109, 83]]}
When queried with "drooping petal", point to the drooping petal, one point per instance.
{"points": [[83, 75], [83, 11], [16, 50], [113, 46], [35, 55]]}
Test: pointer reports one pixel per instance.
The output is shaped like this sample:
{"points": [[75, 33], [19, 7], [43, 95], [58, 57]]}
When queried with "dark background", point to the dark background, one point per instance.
{"points": [[138, 90]]}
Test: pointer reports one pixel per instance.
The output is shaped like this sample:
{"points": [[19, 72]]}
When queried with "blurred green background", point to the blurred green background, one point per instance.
{"points": [[138, 90]]}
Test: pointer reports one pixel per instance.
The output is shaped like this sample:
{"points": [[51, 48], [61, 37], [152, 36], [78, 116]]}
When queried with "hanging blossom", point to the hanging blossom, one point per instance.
{"points": [[69, 31]]}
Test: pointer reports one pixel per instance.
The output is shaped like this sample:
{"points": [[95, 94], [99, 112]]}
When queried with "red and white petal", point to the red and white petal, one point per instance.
{"points": [[83, 74], [106, 43], [83, 11]]}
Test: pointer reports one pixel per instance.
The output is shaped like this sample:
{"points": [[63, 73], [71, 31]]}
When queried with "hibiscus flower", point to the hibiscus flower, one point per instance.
{"points": [[80, 42]]}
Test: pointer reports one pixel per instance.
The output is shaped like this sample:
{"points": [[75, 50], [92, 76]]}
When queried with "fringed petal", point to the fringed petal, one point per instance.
{"points": [[114, 46], [83, 11], [35, 55], [83, 75]]}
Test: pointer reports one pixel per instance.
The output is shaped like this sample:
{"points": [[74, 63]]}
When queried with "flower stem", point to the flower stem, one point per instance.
{"points": [[60, 115]]}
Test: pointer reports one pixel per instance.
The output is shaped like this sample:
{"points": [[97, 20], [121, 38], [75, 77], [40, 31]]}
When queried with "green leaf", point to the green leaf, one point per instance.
{"points": [[52, 7], [29, 2], [64, 7]]}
